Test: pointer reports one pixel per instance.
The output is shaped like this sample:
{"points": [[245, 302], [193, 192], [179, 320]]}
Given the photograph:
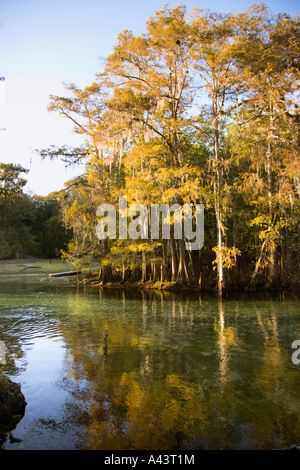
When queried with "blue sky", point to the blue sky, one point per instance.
{"points": [[45, 43]]}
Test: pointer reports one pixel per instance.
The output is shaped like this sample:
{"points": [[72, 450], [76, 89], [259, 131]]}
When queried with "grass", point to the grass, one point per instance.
{"points": [[46, 266]]}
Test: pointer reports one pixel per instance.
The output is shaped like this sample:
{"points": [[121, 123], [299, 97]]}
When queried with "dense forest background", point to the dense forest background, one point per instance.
{"points": [[29, 225], [202, 108]]}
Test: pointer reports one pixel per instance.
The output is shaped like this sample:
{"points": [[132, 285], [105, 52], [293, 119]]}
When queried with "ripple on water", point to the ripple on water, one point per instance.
{"points": [[141, 367]]}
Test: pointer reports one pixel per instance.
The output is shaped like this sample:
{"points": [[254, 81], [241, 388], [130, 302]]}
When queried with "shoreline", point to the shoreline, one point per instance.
{"points": [[181, 288]]}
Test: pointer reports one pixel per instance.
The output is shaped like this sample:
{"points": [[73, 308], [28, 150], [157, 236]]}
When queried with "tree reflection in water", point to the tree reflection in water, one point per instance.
{"points": [[180, 372]]}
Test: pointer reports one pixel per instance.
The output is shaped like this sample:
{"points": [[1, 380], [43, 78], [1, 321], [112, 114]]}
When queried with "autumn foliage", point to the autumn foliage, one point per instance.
{"points": [[199, 109]]}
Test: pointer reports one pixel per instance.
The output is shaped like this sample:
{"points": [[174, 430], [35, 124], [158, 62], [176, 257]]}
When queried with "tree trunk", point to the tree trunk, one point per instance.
{"points": [[173, 260], [183, 270], [123, 272], [106, 270], [144, 267], [217, 187], [220, 257], [163, 267], [253, 277], [273, 267]]}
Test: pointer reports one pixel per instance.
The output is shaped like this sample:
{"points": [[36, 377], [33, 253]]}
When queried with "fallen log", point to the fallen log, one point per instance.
{"points": [[67, 273], [28, 266], [73, 273]]}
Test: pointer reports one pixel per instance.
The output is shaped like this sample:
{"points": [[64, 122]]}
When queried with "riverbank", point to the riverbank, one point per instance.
{"points": [[180, 288], [57, 268], [32, 266]]}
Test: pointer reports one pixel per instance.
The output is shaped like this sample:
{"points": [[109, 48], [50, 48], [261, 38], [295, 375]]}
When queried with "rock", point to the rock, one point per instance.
{"points": [[293, 447], [14, 439], [12, 406]]}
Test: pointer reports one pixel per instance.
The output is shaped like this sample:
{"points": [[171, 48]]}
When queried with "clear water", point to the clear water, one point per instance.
{"points": [[131, 370]]}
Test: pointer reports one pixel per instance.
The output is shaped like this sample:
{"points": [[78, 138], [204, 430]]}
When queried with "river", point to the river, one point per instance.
{"points": [[113, 369]]}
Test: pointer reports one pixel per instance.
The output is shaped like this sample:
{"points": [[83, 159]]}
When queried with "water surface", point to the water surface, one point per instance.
{"points": [[114, 369]]}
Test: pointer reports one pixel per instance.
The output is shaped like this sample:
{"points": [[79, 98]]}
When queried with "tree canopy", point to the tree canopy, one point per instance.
{"points": [[198, 109]]}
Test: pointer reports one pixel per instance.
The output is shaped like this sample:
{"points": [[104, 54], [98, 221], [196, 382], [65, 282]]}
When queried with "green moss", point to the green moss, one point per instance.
{"points": [[5, 385]]}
